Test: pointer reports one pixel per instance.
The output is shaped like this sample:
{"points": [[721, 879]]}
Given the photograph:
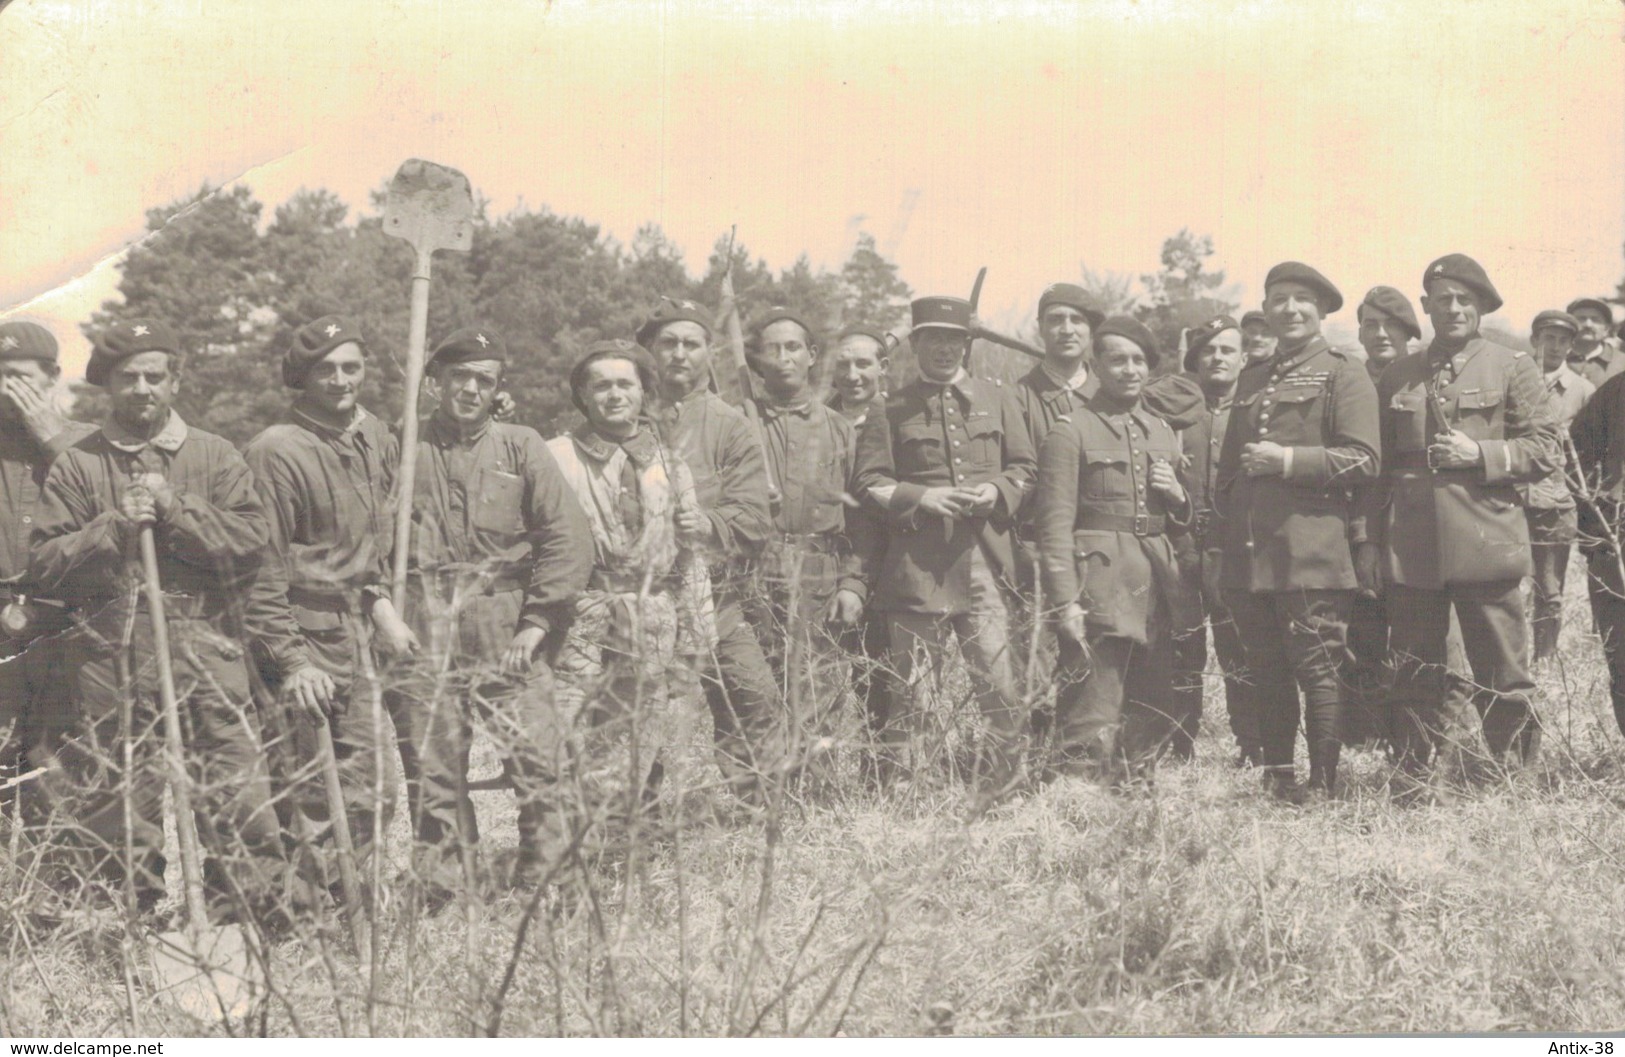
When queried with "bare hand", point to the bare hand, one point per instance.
{"points": [[1072, 623], [313, 690], [845, 609], [943, 501], [38, 415], [1455, 451], [693, 524], [516, 659], [503, 406], [979, 500], [1263, 458], [391, 631], [137, 504], [1166, 483], [1368, 570], [163, 496]]}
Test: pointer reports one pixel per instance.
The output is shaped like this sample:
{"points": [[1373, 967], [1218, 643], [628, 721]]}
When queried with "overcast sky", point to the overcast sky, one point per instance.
{"points": [[1363, 137]]}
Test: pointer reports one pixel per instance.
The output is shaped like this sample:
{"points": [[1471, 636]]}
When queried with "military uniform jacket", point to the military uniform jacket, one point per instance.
{"points": [[730, 477], [1292, 531], [1102, 533], [1201, 445], [23, 464], [962, 434], [1466, 525]]}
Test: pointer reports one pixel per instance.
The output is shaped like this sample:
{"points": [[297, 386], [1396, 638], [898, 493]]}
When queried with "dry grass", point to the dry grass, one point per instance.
{"points": [[1199, 908]]}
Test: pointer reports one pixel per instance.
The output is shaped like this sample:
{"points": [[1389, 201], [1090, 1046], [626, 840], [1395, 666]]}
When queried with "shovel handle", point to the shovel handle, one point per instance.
{"points": [[406, 479], [354, 908]]}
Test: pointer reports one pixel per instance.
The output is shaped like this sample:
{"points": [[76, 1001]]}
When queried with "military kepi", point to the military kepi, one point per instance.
{"points": [[466, 344], [311, 343], [123, 340], [1197, 338], [1390, 302], [1463, 269], [1135, 331], [672, 310], [23, 339], [947, 313], [1298, 272], [1073, 296]]}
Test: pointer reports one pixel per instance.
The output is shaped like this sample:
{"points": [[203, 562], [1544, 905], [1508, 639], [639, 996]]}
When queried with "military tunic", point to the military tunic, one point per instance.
{"points": [[1598, 435], [1553, 524]]}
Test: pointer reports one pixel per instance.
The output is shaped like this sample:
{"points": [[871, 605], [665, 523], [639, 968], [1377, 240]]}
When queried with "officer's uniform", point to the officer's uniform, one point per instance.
{"points": [[942, 576], [1288, 573], [1104, 542], [1458, 538]]}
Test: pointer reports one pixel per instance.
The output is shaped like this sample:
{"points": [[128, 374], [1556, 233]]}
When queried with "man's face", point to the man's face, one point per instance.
{"points": [[1454, 308], [1293, 311], [140, 389], [783, 357], [683, 351], [333, 383], [1218, 364], [1553, 345], [613, 395], [859, 366], [467, 389], [939, 351], [1121, 368], [1382, 336], [1065, 331], [1594, 326], [1257, 341], [35, 374]]}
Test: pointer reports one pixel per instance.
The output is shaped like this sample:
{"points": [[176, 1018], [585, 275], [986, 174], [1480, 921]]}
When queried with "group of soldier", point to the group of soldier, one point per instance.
{"points": [[1077, 536]]}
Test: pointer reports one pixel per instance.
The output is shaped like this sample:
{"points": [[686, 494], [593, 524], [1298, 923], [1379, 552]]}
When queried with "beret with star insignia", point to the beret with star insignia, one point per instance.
{"points": [[23, 339], [123, 340], [467, 344], [672, 310], [1463, 269], [312, 342], [1197, 338]]}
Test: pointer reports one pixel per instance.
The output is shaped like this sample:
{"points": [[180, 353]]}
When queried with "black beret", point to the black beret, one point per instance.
{"points": [[1468, 272], [1073, 295], [1135, 331], [1390, 302], [1254, 316], [1596, 303], [947, 313], [853, 330], [1298, 272], [672, 310], [1196, 338], [1554, 318], [774, 315], [313, 341], [123, 340], [22, 339], [617, 349], [469, 343]]}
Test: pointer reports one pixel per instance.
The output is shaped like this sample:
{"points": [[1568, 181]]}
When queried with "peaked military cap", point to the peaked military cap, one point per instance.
{"points": [[23, 339], [469, 343], [1553, 317], [313, 341], [1073, 295], [1254, 316], [123, 340], [1298, 272], [852, 330], [1390, 302], [947, 313], [1135, 331], [1197, 338], [673, 310], [1596, 303], [775, 315], [1463, 269]]}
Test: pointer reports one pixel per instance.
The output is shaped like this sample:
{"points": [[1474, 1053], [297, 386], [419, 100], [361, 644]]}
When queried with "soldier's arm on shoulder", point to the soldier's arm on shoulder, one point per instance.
{"points": [[561, 541], [1056, 502], [1351, 454], [1531, 448], [1019, 471]]}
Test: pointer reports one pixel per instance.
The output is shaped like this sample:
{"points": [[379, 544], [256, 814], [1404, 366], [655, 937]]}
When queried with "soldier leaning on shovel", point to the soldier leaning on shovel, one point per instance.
{"points": [[147, 467]]}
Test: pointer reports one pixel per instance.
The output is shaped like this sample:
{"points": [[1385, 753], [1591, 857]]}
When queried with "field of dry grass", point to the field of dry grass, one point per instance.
{"points": [[1201, 907]]}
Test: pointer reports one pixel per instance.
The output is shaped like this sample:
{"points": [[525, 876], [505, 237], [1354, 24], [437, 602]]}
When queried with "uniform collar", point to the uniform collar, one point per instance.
{"points": [[1601, 354], [1562, 378], [169, 438], [772, 410], [1075, 383], [300, 417], [1281, 362], [959, 383], [640, 447], [444, 431], [1458, 359]]}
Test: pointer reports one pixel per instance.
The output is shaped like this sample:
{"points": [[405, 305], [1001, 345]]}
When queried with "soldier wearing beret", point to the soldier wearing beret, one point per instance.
{"points": [[1302, 438], [950, 463], [1257, 339], [1464, 423], [820, 556], [325, 477], [724, 453], [146, 467], [32, 433], [1108, 499], [1213, 355], [1549, 502], [500, 549], [1594, 356]]}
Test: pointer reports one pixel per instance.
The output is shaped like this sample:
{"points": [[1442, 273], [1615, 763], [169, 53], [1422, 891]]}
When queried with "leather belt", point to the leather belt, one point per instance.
{"points": [[1139, 524]]}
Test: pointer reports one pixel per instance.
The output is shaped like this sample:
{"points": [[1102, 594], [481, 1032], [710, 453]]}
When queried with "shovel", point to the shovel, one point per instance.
{"points": [[355, 907], [205, 970], [432, 208]]}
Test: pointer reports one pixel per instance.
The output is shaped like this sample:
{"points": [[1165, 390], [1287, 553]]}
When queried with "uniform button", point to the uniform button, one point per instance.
{"points": [[956, 462], [1271, 389], [27, 520], [956, 444]]}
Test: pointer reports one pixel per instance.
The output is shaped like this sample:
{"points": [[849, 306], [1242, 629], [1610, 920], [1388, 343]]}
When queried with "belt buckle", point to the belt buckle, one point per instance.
{"points": [[1433, 464], [1142, 524]]}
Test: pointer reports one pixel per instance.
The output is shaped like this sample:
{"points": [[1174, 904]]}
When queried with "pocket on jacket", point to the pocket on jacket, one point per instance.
{"points": [[496, 507], [1105, 475]]}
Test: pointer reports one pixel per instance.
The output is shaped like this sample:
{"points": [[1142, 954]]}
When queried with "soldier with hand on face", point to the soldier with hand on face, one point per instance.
{"points": [[1464, 423]]}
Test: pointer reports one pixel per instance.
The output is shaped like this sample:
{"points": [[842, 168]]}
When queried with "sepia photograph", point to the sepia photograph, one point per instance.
{"points": [[626, 519]]}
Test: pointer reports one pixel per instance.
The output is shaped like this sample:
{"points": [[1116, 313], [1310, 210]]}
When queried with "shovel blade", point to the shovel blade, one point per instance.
{"points": [[430, 206], [211, 975]]}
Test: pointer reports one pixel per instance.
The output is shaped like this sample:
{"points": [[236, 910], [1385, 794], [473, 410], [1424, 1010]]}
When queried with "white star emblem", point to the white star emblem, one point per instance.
{"points": [[686, 304], [1437, 268], [139, 330], [332, 328], [8, 342], [481, 339]]}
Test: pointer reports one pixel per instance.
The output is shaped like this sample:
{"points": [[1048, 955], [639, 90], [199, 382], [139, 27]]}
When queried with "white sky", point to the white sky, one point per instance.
{"points": [[1364, 137]]}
